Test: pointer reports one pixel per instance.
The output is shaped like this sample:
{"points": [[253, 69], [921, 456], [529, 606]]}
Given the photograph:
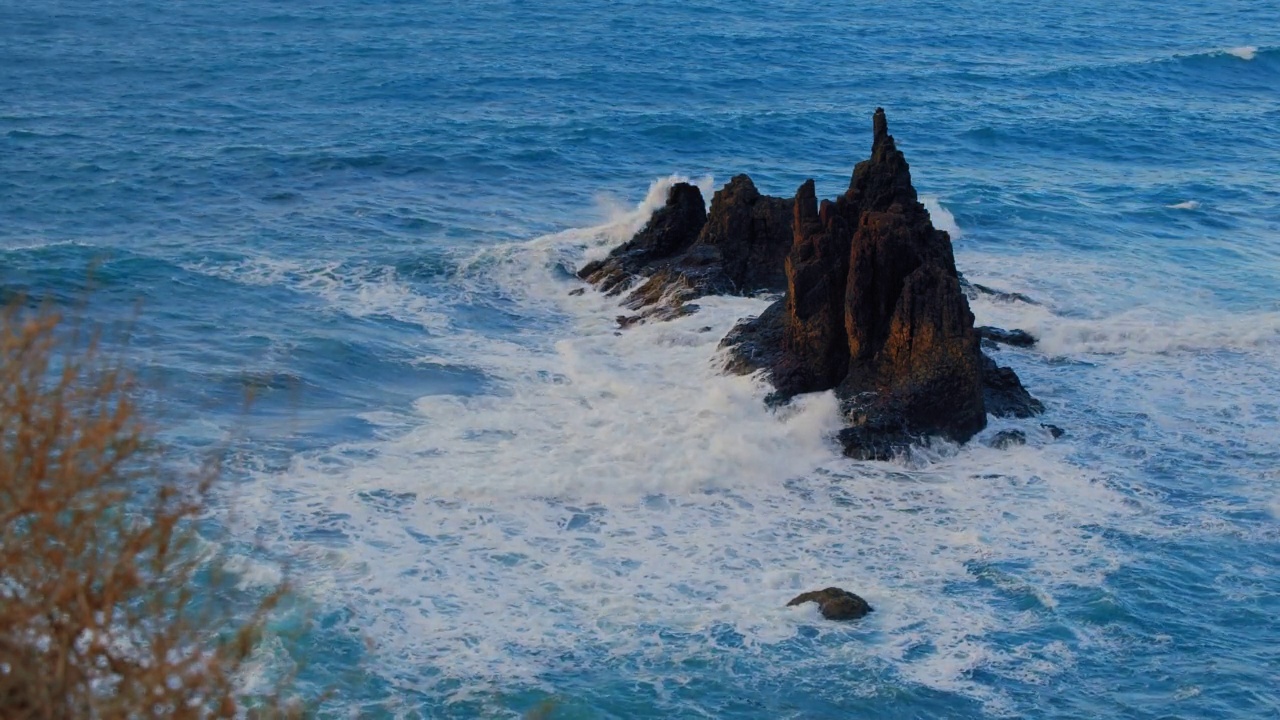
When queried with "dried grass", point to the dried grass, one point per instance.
{"points": [[101, 613]]}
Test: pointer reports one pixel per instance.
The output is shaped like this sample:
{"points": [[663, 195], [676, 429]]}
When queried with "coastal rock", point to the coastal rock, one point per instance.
{"points": [[750, 234], [835, 603], [875, 309], [1006, 439], [973, 291], [1003, 393], [684, 252], [672, 228], [1013, 338], [872, 304], [1054, 431]]}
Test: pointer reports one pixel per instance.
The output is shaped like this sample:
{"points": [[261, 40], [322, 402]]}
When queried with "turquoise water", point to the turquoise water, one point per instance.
{"points": [[365, 214]]}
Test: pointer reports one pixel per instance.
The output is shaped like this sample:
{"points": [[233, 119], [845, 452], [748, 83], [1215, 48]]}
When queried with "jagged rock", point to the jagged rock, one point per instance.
{"points": [[817, 352], [1015, 338], [835, 603], [874, 308], [752, 234], [1006, 439], [1003, 393], [672, 229], [685, 253]]}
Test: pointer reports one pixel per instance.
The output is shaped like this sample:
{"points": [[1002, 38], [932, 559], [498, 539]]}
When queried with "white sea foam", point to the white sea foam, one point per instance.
{"points": [[1186, 205], [618, 502], [941, 217], [1244, 52], [1144, 330], [361, 290]]}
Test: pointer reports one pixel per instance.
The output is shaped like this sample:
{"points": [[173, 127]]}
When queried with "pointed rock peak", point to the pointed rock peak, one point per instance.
{"points": [[741, 186], [880, 125], [806, 208], [682, 192], [883, 179], [807, 190]]}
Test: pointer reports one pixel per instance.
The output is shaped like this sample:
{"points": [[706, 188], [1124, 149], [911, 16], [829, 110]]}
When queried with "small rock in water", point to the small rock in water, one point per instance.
{"points": [[577, 291], [835, 603], [1006, 439], [1016, 338], [1054, 430]]}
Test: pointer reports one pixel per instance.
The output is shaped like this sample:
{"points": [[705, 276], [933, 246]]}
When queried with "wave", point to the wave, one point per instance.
{"points": [[358, 290], [617, 505], [941, 216], [1140, 330]]}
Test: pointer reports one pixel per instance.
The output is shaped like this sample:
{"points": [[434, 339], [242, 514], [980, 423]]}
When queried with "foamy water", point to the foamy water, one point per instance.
{"points": [[366, 217]]}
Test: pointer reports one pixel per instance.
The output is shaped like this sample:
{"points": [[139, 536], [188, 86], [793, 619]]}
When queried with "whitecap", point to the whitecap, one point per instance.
{"points": [[1244, 52], [617, 500], [941, 216], [1186, 205]]}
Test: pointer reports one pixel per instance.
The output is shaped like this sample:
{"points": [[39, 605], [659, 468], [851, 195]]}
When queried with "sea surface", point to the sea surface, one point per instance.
{"points": [[342, 234]]}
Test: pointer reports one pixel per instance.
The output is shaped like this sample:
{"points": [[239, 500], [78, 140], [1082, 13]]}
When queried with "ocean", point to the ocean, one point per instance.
{"points": [[364, 216]]}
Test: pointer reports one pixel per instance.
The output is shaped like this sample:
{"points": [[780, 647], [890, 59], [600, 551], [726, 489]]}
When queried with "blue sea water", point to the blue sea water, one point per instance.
{"points": [[365, 213]]}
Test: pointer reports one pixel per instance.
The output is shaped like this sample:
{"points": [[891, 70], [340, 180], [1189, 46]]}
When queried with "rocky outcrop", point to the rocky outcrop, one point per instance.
{"points": [[875, 309], [671, 230], [684, 252], [835, 603], [872, 304]]}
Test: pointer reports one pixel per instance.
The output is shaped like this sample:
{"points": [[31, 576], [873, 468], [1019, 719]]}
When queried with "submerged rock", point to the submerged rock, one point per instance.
{"points": [[1014, 338], [974, 290], [835, 603], [1006, 439]]}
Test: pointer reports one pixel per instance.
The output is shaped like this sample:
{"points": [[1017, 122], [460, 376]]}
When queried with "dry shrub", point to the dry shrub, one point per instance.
{"points": [[102, 614]]}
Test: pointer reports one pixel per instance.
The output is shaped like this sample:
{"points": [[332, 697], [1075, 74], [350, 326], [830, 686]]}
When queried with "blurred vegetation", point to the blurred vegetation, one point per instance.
{"points": [[102, 614]]}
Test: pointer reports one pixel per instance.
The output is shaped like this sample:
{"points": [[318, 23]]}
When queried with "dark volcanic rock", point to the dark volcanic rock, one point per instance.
{"points": [[751, 234], [1006, 439], [1003, 393], [685, 253], [672, 229], [874, 308], [814, 338], [835, 604], [974, 290], [1015, 338]]}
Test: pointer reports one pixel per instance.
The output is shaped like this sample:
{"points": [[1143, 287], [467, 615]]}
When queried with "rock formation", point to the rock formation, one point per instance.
{"points": [[685, 253], [873, 306], [834, 603]]}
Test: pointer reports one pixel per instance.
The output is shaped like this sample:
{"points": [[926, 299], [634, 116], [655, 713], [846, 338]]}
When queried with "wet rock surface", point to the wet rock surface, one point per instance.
{"points": [[835, 603], [875, 309], [873, 306], [685, 252], [1006, 439], [1013, 338]]}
